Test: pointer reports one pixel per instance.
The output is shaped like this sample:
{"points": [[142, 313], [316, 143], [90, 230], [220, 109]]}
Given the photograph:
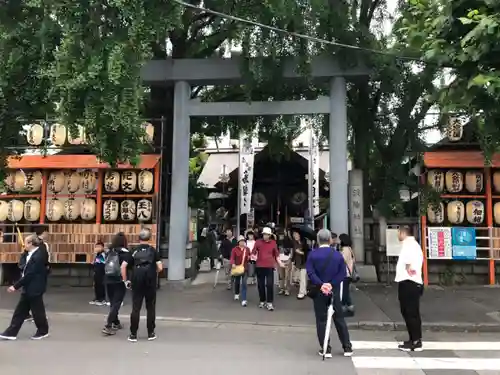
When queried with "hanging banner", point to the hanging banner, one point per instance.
{"points": [[314, 172], [247, 154], [440, 246], [463, 243]]}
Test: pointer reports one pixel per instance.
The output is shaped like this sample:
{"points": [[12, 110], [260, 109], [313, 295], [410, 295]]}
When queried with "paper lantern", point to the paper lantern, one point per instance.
{"points": [[111, 181], [456, 212], [58, 134], [110, 210], [435, 213], [15, 210], [55, 210], [88, 181], [150, 132], [33, 182], [474, 181], [435, 178], [56, 182], [32, 210], [127, 210], [144, 210], [496, 212], [475, 212], [73, 181], [4, 210], [454, 181], [15, 181], [454, 130], [496, 181], [145, 181], [87, 211], [129, 181], [71, 209], [79, 136], [34, 135]]}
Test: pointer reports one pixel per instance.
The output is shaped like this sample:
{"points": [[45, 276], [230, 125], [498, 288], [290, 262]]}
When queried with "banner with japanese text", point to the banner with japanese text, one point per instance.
{"points": [[314, 172], [440, 243], [247, 155]]}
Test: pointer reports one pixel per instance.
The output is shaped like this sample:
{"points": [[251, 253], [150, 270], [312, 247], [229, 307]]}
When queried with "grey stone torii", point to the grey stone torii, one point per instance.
{"points": [[182, 73]]}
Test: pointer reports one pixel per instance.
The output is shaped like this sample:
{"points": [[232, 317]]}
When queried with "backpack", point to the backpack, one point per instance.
{"points": [[144, 255], [112, 265]]}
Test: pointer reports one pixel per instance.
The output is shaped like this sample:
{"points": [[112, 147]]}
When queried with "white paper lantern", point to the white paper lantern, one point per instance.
{"points": [[71, 209], [496, 181], [145, 181], [55, 210], [474, 181], [454, 181], [33, 182], [88, 207], [16, 181], [496, 212], [88, 181], [72, 181], [128, 181], [112, 181], [456, 212], [127, 210], [34, 135], [4, 210], [32, 210], [475, 212], [79, 136], [454, 130], [15, 210], [144, 210], [56, 182], [58, 134], [110, 210], [150, 132], [435, 213], [435, 178]]}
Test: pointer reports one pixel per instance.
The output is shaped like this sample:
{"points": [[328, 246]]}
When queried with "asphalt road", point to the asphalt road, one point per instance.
{"points": [[76, 347]]}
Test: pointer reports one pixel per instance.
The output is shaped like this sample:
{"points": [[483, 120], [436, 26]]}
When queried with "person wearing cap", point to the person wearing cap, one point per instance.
{"points": [[267, 255], [240, 256], [146, 264]]}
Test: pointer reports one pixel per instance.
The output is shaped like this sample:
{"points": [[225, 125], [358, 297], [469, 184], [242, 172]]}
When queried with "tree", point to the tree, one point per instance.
{"points": [[462, 36]]}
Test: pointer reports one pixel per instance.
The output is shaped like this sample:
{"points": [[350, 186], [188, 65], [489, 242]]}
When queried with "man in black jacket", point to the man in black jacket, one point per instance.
{"points": [[34, 284]]}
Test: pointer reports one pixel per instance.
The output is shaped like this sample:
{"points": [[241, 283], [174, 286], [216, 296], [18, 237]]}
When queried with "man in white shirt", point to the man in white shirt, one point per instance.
{"points": [[410, 287]]}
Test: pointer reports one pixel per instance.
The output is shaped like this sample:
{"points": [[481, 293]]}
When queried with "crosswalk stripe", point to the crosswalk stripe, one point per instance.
{"points": [[431, 345], [424, 363]]}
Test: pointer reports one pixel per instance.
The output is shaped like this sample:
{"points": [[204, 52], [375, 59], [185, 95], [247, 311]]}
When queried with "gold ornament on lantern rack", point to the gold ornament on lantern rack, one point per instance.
{"points": [[129, 181], [34, 135], [56, 182], [71, 209], [144, 210], [88, 208], [55, 210], [145, 181], [32, 210], [79, 138], [474, 181], [110, 210], [475, 212], [456, 212], [111, 181], [33, 182], [435, 178], [435, 213], [88, 181], [454, 130], [4, 210], [73, 181], [454, 181], [58, 134], [127, 210]]}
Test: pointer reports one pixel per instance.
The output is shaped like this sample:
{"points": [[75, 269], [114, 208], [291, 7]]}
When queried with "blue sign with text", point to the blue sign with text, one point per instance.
{"points": [[463, 243]]}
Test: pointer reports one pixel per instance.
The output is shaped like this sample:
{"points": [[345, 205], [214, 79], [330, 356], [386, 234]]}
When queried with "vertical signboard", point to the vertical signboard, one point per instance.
{"points": [[440, 243]]}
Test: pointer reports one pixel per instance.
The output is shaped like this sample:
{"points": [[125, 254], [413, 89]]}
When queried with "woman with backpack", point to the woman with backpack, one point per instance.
{"points": [[117, 254], [348, 254]]}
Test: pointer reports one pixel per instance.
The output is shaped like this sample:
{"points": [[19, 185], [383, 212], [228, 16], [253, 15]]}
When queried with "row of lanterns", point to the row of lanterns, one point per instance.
{"points": [[457, 211], [60, 134], [454, 181], [128, 181], [72, 209]]}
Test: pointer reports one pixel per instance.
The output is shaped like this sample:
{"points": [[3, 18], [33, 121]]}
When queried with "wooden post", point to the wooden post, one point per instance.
{"points": [[100, 184], [489, 223]]}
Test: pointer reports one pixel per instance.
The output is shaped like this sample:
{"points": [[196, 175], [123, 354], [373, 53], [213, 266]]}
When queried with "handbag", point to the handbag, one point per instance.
{"points": [[239, 269], [354, 274], [313, 290]]}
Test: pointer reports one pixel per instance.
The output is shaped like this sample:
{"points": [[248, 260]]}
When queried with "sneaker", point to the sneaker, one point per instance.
{"points": [[409, 346], [100, 303], [270, 307], [236, 297], [328, 353], [107, 303], [93, 302], [4, 336], [244, 303], [108, 331], [301, 296], [261, 305], [116, 327], [348, 351], [229, 287], [287, 293], [40, 336], [28, 319], [281, 292], [132, 338], [152, 336]]}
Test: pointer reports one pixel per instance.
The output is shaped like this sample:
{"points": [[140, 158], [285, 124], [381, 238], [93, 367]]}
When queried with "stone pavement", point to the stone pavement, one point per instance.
{"points": [[76, 347], [451, 309]]}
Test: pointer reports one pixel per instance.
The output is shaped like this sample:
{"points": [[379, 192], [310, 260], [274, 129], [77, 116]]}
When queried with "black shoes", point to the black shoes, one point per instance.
{"points": [[40, 336], [411, 346]]}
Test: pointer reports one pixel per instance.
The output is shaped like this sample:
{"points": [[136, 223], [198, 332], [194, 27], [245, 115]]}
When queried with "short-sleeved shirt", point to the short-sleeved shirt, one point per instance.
{"points": [[411, 254], [151, 268]]}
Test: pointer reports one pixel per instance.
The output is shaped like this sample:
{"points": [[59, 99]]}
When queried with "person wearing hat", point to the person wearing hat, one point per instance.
{"points": [[250, 235], [266, 251], [240, 256]]}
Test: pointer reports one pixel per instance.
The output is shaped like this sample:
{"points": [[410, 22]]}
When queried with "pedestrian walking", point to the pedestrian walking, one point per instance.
{"points": [[145, 264], [33, 284], [410, 287], [98, 268], [327, 270], [285, 270], [300, 253], [266, 251], [226, 246], [115, 283], [240, 256], [345, 244], [250, 236]]}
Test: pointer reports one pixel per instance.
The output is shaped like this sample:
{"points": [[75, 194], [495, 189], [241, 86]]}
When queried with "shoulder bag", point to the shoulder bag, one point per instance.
{"points": [[354, 274], [314, 290], [239, 269]]}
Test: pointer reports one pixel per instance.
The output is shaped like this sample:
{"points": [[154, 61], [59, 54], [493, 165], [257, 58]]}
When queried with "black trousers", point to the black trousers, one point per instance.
{"points": [[99, 287], [24, 306], [265, 284], [409, 294], [321, 303], [143, 290], [116, 294]]}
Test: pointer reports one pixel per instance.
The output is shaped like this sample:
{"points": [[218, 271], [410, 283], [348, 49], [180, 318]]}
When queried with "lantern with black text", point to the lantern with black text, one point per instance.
{"points": [[55, 210], [33, 181], [110, 210], [475, 212], [56, 182], [456, 212], [454, 181], [4, 210], [15, 181], [32, 210], [34, 135], [129, 181], [435, 178], [73, 181], [145, 181], [111, 181], [87, 209], [144, 210], [435, 213], [88, 181], [71, 209], [58, 134], [15, 210], [127, 210]]}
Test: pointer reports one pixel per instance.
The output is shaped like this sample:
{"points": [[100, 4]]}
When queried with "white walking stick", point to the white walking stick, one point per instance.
{"points": [[217, 267]]}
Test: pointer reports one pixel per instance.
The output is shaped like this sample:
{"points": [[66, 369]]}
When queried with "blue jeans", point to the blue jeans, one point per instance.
{"points": [[240, 286]]}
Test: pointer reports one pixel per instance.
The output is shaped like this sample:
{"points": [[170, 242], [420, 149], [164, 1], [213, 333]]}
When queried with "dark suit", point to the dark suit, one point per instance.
{"points": [[33, 284]]}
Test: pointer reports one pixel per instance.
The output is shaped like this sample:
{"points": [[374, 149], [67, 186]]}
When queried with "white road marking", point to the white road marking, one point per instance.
{"points": [[431, 345], [420, 363]]}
